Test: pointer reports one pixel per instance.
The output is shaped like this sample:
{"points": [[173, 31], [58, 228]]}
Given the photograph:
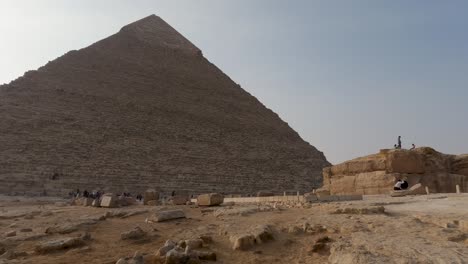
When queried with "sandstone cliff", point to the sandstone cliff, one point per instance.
{"points": [[377, 173], [144, 109]]}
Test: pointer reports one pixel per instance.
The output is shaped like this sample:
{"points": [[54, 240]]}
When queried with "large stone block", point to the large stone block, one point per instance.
{"points": [[405, 161], [109, 201], [150, 195], [210, 199], [179, 200]]}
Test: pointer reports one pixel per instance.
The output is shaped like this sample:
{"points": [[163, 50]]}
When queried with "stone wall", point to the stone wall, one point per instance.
{"points": [[377, 173]]}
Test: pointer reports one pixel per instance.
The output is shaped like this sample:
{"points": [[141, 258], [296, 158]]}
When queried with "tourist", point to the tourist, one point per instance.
{"points": [[413, 146], [173, 193], [404, 185], [398, 184], [399, 142], [395, 146]]}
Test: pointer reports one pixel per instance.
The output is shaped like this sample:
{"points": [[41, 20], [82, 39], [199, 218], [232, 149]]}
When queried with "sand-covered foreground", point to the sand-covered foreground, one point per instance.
{"points": [[417, 229]]}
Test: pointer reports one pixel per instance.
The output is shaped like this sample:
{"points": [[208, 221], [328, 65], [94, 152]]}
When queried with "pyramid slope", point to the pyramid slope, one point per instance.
{"points": [[143, 108]]}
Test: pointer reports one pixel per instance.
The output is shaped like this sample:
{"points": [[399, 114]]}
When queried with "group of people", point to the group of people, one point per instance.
{"points": [[98, 194], [85, 193], [398, 145]]}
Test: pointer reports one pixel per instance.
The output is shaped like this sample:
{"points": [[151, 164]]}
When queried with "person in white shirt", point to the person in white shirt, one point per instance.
{"points": [[397, 186]]}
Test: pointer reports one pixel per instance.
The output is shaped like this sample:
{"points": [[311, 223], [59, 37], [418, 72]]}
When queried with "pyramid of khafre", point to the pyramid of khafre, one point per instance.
{"points": [[144, 109]]}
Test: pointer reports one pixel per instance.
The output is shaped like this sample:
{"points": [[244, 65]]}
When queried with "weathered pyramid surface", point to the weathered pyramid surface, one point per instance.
{"points": [[143, 108]]}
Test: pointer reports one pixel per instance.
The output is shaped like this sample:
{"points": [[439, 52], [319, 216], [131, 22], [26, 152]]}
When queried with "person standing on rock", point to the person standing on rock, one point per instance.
{"points": [[399, 142]]}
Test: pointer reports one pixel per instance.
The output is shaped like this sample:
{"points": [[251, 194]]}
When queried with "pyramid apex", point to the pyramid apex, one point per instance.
{"points": [[155, 31]]}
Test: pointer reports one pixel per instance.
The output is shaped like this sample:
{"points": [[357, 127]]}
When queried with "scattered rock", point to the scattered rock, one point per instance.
{"points": [[295, 230], [176, 256], [364, 210], [179, 200], [242, 242], [169, 245], [60, 244], [263, 234], [162, 216], [25, 230], [206, 239], [10, 234], [10, 255], [135, 233], [194, 243]]}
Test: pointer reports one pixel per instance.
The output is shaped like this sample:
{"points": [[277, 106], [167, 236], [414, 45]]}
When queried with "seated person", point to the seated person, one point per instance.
{"points": [[397, 186], [404, 185]]}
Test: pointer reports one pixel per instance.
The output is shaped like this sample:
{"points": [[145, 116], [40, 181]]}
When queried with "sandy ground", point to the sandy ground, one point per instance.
{"points": [[417, 229]]}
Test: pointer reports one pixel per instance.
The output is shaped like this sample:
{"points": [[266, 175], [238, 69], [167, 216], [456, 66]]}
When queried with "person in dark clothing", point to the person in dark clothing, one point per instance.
{"points": [[404, 185], [399, 142], [173, 193]]}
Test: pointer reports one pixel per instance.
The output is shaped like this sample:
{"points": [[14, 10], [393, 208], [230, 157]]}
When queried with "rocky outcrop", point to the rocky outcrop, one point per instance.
{"points": [[377, 173], [144, 109]]}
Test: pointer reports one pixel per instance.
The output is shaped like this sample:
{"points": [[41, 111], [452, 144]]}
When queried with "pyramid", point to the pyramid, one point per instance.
{"points": [[144, 109]]}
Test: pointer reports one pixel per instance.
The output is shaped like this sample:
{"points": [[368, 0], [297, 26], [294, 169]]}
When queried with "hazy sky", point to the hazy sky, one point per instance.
{"points": [[349, 76]]}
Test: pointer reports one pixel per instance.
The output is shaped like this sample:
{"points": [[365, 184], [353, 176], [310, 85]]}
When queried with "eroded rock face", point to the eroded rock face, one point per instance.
{"points": [[377, 173]]}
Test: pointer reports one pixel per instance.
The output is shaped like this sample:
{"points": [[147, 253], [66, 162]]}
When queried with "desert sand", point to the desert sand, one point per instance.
{"points": [[378, 229]]}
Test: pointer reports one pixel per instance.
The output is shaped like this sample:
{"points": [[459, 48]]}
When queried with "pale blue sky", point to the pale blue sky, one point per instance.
{"points": [[349, 76]]}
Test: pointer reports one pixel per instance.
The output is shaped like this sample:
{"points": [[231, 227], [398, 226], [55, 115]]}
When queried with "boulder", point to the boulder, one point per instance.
{"points": [[322, 192], [169, 245], [135, 233], [65, 243], [179, 200], [194, 243], [162, 216], [10, 234], [263, 233], [150, 195], [210, 199], [176, 256], [242, 242]]}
